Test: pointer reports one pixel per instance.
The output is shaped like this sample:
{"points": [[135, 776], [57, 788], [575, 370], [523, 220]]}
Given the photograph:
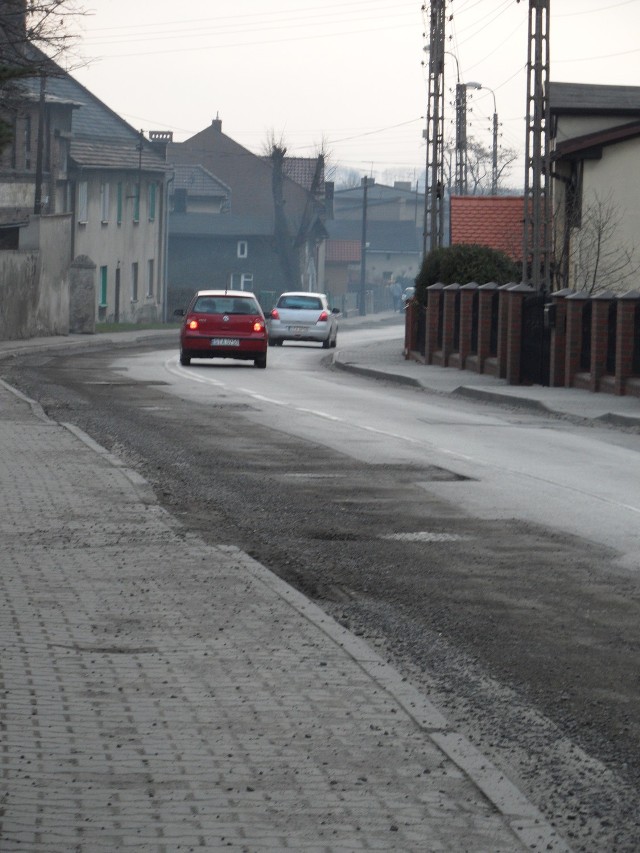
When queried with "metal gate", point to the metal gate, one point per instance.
{"points": [[535, 345]]}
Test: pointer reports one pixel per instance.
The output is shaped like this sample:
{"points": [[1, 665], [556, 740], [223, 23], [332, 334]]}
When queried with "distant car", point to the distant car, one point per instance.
{"points": [[303, 316], [407, 295], [223, 324]]}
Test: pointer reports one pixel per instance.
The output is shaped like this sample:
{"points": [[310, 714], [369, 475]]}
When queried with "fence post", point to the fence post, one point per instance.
{"points": [[503, 329], [515, 296], [433, 342], [627, 330]]}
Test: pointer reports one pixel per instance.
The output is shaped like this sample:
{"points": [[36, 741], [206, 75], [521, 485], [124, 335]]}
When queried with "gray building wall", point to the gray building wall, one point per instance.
{"points": [[34, 297]]}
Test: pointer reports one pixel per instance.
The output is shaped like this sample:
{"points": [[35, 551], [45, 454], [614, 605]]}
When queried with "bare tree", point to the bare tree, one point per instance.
{"points": [[347, 179], [480, 164], [589, 252]]}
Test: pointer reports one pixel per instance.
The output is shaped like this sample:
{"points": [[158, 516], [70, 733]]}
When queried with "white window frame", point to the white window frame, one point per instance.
{"points": [[246, 281], [243, 249], [104, 202]]}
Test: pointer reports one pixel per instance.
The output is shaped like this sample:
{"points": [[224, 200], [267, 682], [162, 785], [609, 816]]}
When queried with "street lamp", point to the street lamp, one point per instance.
{"points": [[494, 159]]}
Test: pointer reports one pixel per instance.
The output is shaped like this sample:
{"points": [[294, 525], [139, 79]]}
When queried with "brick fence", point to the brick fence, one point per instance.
{"points": [[569, 339]]}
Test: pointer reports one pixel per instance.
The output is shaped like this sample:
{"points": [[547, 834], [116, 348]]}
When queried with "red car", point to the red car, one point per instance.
{"points": [[223, 324]]}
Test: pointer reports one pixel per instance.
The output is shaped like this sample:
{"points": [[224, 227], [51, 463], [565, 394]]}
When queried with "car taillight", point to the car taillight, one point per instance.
{"points": [[274, 314], [192, 324], [324, 316], [258, 326]]}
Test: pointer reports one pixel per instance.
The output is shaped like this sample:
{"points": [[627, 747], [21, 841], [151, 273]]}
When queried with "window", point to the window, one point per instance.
{"points": [[136, 203], [119, 204], [134, 281], [150, 271], [83, 201], [104, 201], [243, 249], [151, 201], [241, 281], [103, 287]]}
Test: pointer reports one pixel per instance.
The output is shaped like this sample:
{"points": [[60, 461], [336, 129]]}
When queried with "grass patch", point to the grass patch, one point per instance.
{"points": [[134, 327]]}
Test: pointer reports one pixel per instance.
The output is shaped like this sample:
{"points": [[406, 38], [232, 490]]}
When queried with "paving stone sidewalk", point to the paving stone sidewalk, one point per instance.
{"points": [[160, 694]]}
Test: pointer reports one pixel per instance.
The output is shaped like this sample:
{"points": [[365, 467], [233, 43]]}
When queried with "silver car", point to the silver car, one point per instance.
{"points": [[303, 316]]}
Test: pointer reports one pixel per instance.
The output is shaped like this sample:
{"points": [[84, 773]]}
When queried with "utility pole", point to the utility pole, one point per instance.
{"points": [[536, 241], [461, 139], [434, 188], [363, 250], [37, 199], [494, 155]]}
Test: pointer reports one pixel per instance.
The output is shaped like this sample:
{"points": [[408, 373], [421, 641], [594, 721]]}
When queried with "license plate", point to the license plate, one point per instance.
{"points": [[225, 342], [297, 329]]}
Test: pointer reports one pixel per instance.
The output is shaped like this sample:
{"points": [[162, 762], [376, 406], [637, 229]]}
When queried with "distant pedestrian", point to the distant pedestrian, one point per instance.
{"points": [[396, 295]]}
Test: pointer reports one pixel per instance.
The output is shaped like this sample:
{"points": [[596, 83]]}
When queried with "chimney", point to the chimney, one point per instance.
{"points": [[160, 139], [216, 124], [13, 29]]}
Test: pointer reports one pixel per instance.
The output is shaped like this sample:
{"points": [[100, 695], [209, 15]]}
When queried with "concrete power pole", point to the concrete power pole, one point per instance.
{"points": [[536, 243], [434, 189], [461, 139]]}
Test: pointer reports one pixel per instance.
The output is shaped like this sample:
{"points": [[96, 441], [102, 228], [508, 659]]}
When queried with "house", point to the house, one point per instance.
{"points": [[342, 267], [393, 239], [267, 236], [88, 186], [399, 203], [595, 146]]}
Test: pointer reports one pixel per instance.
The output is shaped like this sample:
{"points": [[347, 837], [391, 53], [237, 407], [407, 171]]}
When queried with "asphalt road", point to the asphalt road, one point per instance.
{"points": [[526, 637]]}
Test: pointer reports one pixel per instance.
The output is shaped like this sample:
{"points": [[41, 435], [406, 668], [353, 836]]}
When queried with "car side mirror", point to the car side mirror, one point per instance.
{"points": [[179, 312], [335, 310]]}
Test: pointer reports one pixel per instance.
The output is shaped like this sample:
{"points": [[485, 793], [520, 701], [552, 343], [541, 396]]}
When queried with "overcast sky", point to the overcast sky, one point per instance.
{"points": [[346, 74]]}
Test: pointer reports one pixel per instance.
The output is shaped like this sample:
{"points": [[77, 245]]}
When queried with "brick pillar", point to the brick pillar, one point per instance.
{"points": [[626, 330], [503, 329], [599, 337], [575, 306], [468, 292], [448, 329], [558, 338], [485, 299], [434, 299], [515, 297]]}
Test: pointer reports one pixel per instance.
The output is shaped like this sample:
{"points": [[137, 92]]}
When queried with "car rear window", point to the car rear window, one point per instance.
{"points": [[226, 305], [303, 302]]}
